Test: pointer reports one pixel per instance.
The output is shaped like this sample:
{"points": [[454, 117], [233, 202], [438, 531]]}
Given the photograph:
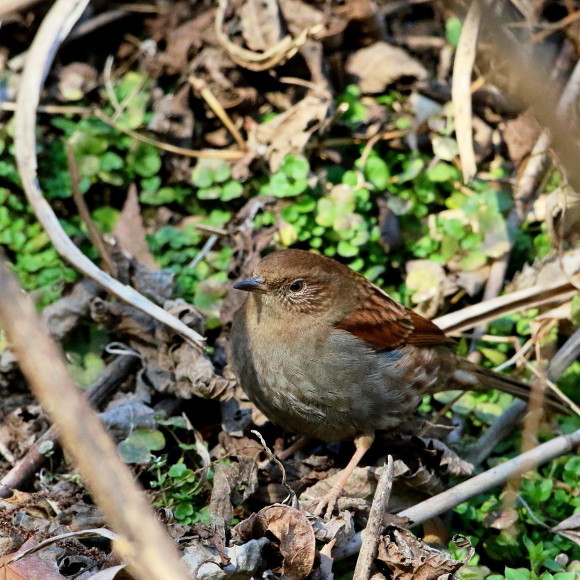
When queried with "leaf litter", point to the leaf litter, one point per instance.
{"points": [[241, 62]]}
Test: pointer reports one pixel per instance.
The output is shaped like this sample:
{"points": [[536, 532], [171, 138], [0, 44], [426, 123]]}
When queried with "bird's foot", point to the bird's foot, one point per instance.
{"points": [[296, 446], [328, 501]]}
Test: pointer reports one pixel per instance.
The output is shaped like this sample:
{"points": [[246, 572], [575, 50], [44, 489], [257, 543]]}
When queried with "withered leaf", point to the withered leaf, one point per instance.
{"points": [[291, 535], [406, 557], [377, 66], [130, 233]]}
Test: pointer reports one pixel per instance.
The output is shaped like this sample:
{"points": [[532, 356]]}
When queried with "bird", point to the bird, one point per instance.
{"points": [[325, 353]]}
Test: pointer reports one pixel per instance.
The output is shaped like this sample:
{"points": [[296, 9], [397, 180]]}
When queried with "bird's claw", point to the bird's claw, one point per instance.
{"points": [[329, 502]]}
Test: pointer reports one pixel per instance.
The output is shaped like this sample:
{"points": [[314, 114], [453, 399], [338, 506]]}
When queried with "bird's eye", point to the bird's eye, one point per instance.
{"points": [[297, 285]]}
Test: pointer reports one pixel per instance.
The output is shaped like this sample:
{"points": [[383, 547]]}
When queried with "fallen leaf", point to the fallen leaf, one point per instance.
{"points": [[290, 534], [377, 66], [31, 567], [520, 136], [405, 557], [290, 131], [130, 233], [75, 80], [260, 22]]}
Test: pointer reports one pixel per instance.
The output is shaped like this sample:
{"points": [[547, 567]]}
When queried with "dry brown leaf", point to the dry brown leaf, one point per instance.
{"points": [[501, 519], [290, 534], [377, 66], [31, 567], [130, 233], [275, 55], [233, 483], [261, 26], [64, 314], [75, 80], [570, 528], [406, 557], [290, 131], [520, 135], [173, 118]]}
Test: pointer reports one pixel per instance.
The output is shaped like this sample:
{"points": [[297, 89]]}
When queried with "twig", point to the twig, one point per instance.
{"points": [[496, 432], [502, 305], [555, 389], [461, 89], [108, 82], [567, 354], [54, 28], [149, 550], [202, 154], [87, 27], [370, 536], [113, 374], [272, 457], [206, 249], [200, 86], [79, 200], [555, 26], [50, 109], [511, 417], [451, 498], [521, 352]]}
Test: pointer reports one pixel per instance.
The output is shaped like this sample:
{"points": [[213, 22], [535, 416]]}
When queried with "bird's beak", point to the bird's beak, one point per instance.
{"points": [[254, 284]]}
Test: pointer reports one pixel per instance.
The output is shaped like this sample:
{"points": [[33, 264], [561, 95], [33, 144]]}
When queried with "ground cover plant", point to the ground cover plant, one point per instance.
{"points": [[175, 154]]}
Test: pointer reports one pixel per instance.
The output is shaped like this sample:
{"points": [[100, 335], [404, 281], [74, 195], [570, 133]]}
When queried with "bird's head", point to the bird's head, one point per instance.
{"points": [[297, 281]]}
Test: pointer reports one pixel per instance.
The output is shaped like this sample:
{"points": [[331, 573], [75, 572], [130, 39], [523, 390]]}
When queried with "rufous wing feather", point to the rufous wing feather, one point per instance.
{"points": [[386, 324]]}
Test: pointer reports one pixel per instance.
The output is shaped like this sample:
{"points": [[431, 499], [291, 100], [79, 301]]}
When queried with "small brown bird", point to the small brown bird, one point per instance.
{"points": [[325, 353]]}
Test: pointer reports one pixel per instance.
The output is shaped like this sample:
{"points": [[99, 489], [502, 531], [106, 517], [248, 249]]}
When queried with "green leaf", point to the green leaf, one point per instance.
{"points": [[441, 172], [153, 439], [207, 172], [133, 452], [295, 166], [106, 218], [110, 161], [182, 511], [453, 28], [493, 355], [231, 190], [411, 170], [144, 160], [177, 470], [377, 172], [517, 574], [474, 260]]}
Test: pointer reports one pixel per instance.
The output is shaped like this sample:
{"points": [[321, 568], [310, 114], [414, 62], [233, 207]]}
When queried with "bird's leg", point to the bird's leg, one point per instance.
{"points": [[362, 444], [296, 446]]}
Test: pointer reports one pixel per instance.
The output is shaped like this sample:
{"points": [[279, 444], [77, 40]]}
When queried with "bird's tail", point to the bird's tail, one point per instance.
{"points": [[473, 377]]}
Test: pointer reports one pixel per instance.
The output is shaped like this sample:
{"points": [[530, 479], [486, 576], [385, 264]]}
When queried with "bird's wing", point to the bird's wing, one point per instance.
{"points": [[386, 324]]}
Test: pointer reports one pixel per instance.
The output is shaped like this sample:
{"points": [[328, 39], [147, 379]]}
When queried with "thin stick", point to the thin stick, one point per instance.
{"points": [[147, 547], [551, 28], [202, 154], [498, 475], [78, 198], [496, 432], [502, 305], [205, 250], [461, 89], [113, 374], [370, 536], [200, 86], [54, 28]]}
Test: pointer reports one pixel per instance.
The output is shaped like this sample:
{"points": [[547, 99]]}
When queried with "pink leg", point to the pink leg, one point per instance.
{"points": [[362, 444], [296, 446]]}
